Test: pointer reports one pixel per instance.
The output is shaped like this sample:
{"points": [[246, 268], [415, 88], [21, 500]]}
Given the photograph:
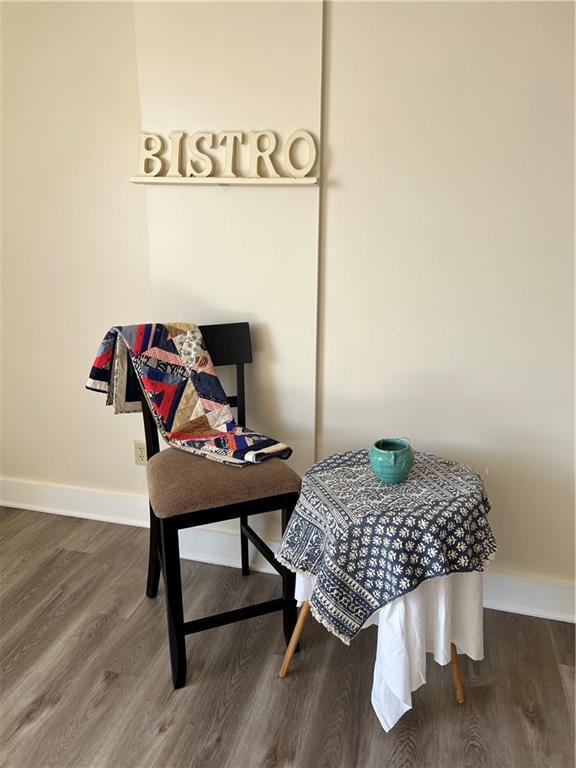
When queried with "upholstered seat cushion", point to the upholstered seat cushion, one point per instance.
{"points": [[179, 482]]}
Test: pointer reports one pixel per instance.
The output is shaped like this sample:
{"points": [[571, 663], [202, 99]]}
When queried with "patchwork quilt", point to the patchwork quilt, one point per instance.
{"points": [[171, 365]]}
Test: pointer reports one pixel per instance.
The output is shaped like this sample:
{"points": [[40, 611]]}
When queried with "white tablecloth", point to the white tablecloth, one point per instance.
{"points": [[440, 611]]}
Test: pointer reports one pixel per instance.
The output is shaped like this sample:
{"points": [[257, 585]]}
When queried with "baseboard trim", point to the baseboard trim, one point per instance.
{"points": [[530, 597], [210, 544], [75, 501]]}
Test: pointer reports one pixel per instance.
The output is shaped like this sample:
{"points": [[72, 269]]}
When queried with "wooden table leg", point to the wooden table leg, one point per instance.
{"points": [[294, 639], [456, 677]]}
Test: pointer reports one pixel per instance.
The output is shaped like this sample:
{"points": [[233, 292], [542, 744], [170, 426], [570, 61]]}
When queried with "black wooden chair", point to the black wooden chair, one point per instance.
{"points": [[187, 490]]}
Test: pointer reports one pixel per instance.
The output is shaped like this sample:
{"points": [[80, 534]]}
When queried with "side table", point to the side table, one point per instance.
{"points": [[366, 544]]}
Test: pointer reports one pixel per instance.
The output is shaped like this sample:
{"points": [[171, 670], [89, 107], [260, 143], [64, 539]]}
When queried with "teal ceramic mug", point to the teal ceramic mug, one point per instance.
{"points": [[391, 459]]}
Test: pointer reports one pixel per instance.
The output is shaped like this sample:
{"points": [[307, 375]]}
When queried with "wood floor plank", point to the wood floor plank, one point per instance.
{"points": [[12, 521], [41, 635], [233, 655], [342, 699], [529, 688], [563, 641], [471, 734], [38, 536], [21, 604], [49, 694], [91, 536], [279, 738], [86, 678]]}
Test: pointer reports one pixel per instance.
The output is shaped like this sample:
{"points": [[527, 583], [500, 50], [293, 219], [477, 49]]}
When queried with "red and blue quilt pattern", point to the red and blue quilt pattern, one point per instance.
{"points": [[170, 363]]}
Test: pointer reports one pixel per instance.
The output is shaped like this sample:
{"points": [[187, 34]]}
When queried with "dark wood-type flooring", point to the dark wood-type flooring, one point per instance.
{"points": [[85, 679]]}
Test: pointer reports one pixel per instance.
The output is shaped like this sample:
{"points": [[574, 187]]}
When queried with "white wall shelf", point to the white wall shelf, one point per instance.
{"points": [[306, 181]]}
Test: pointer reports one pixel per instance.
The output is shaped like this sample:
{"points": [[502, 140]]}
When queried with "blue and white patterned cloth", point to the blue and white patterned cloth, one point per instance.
{"points": [[369, 543]]}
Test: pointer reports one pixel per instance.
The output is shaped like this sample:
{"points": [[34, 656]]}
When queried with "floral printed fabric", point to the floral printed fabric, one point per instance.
{"points": [[369, 543]]}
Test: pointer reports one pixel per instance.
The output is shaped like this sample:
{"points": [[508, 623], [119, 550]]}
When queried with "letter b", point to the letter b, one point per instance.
{"points": [[149, 162]]}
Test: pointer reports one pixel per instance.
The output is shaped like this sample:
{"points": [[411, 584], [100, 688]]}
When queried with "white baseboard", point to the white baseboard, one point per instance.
{"points": [[75, 501], [220, 546], [531, 597]]}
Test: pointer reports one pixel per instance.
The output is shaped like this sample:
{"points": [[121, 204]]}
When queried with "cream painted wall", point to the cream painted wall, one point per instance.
{"points": [[447, 306], [446, 262], [74, 246]]}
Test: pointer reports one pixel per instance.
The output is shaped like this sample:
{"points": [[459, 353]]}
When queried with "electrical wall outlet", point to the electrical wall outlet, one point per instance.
{"points": [[140, 452]]}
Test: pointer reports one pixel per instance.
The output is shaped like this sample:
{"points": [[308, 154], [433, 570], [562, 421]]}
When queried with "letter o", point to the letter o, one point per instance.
{"points": [[287, 160]]}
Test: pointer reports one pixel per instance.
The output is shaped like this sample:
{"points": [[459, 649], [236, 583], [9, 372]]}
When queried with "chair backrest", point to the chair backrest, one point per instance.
{"points": [[228, 344]]}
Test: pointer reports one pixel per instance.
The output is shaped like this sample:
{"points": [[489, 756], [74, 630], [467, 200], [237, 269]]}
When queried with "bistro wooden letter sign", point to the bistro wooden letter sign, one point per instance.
{"points": [[232, 157]]}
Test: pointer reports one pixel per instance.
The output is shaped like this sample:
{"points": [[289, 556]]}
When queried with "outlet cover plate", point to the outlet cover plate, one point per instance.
{"points": [[140, 452]]}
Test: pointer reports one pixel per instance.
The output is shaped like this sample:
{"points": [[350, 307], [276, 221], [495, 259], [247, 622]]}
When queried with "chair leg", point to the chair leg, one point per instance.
{"points": [[244, 547], [153, 557], [170, 559], [290, 612], [456, 676]]}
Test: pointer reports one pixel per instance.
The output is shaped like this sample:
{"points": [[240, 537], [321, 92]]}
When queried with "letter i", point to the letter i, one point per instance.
{"points": [[175, 139]]}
